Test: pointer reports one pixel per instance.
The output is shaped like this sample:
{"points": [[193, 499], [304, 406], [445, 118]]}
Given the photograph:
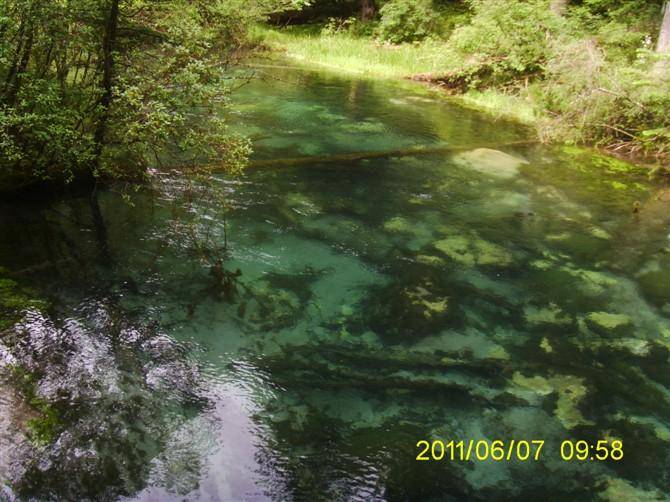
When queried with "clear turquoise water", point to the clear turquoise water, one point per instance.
{"points": [[473, 295]]}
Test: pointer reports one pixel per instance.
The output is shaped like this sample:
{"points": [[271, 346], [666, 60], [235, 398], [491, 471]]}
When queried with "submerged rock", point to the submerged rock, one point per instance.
{"points": [[600, 233], [406, 311], [269, 308], [570, 390], [546, 346], [492, 162], [609, 324], [655, 286], [302, 204], [398, 224], [472, 250], [550, 315], [620, 490], [421, 297], [591, 282], [429, 259]]}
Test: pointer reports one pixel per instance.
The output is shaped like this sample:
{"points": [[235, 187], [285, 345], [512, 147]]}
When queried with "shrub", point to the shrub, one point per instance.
{"points": [[506, 38], [591, 100], [408, 21]]}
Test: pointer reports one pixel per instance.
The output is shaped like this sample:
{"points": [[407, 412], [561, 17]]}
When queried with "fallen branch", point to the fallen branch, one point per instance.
{"points": [[384, 154]]}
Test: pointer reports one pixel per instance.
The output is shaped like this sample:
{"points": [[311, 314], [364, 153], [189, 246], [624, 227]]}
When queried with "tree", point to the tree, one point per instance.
{"points": [[559, 7], [368, 10], [663, 44], [105, 88]]}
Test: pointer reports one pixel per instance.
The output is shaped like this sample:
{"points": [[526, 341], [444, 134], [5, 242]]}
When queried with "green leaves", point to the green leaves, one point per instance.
{"points": [[168, 79]]}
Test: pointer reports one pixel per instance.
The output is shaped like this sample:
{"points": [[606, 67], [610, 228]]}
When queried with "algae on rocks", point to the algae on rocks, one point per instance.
{"points": [[14, 300], [605, 323], [470, 249], [491, 162]]}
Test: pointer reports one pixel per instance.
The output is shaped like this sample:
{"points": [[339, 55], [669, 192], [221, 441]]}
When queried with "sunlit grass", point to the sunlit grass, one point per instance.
{"points": [[349, 54], [502, 105]]}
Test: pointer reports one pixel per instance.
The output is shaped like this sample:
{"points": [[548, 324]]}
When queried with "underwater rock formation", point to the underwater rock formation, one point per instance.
{"points": [[543, 316], [472, 250], [570, 389], [491, 162], [609, 324]]}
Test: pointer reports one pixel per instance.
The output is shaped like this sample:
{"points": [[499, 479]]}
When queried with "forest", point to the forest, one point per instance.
{"points": [[334, 250]]}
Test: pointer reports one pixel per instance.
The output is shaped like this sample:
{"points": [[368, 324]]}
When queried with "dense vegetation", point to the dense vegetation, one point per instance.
{"points": [[593, 71], [103, 88]]}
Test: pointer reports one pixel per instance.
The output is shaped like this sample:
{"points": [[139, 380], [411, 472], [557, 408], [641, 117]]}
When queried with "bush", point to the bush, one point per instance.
{"points": [[621, 106], [506, 38], [408, 21]]}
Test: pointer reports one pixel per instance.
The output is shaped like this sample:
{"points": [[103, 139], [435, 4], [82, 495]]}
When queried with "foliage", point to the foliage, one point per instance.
{"points": [[593, 101], [105, 88], [585, 68], [408, 21], [337, 25], [505, 39]]}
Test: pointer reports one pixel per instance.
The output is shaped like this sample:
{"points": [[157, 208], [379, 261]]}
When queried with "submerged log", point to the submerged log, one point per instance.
{"points": [[396, 153]]}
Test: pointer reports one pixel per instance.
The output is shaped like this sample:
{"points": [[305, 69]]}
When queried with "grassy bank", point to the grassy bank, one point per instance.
{"points": [[350, 54], [346, 53]]}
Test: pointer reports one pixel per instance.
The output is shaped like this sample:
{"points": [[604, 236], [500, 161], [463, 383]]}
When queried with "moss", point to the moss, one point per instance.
{"points": [[600, 233], [472, 250], [549, 315], [591, 283], [570, 390], [620, 490], [491, 162], [419, 297], [429, 259], [45, 427], [15, 299], [607, 324], [541, 264], [398, 224], [268, 307], [655, 286], [546, 346]]}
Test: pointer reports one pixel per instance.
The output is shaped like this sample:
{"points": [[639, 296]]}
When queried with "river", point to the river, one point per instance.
{"points": [[451, 281]]}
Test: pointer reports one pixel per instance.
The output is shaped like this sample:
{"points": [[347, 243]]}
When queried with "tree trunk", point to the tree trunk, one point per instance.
{"points": [[664, 36], [559, 7], [108, 46], [368, 10], [15, 86]]}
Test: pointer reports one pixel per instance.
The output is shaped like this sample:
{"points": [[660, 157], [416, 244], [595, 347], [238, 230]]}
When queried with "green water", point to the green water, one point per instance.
{"points": [[478, 295]]}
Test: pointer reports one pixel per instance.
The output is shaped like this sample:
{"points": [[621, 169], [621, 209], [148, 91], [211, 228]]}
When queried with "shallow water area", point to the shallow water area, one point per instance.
{"points": [[495, 291]]}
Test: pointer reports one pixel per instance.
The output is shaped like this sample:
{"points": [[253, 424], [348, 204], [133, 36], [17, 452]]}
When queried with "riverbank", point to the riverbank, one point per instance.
{"points": [[366, 58], [525, 102]]}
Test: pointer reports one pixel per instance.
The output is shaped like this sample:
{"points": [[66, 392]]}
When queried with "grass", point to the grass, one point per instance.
{"points": [[346, 53], [503, 105], [354, 55]]}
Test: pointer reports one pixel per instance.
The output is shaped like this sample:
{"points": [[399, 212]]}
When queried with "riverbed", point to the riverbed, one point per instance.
{"points": [[453, 281]]}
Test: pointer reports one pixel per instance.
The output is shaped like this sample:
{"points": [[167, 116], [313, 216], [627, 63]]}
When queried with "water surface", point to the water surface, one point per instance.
{"points": [[498, 292]]}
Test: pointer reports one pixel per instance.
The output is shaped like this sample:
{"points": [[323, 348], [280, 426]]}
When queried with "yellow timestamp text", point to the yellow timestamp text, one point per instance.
{"points": [[522, 450]]}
